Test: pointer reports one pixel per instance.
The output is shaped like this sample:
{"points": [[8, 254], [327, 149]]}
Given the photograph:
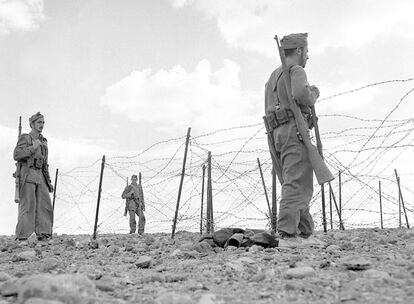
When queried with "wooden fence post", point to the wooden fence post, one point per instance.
{"points": [[264, 188], [210, 222], [99, 197], [181, 183], [380, 202], [202, 199], [401, 200], [274, 201], [54, 189]]}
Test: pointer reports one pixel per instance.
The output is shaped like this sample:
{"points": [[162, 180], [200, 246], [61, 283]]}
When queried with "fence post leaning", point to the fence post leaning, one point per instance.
{"points": [[380, 203], [341, 224], [330, 209], [399, 204], [54, 197], [264, 188], [99, 197], [181, 183], [54, 189], [400, 198]]}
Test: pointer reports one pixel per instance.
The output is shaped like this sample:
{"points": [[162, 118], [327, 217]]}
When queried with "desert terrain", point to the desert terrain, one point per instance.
{"points": [[352, 266]]}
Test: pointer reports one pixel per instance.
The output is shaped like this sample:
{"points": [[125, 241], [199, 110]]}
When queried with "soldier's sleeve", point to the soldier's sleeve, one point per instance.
{"points": [[300, 86], [22, 149], [270, 102], [125, 193]]}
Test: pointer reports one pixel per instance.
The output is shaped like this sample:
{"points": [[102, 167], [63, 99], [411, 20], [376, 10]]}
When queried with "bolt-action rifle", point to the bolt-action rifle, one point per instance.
{"points": [[126, 202], [323, 175], [16, 174]]}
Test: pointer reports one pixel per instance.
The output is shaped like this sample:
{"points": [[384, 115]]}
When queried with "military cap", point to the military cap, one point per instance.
{"points": [[134, 176], [294, 41], [35, 117]]}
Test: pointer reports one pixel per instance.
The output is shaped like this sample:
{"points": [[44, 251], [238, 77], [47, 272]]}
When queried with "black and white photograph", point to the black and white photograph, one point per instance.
{"points": [[206, 151]]}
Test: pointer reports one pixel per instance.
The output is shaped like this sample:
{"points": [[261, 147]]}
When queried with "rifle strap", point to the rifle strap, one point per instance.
{"points": [[280, 74], [275, 87]]}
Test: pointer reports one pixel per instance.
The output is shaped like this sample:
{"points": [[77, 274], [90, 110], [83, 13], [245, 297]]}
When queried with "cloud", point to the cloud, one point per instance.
{"points": [[24, 15], [175, 99], [251, 25]]}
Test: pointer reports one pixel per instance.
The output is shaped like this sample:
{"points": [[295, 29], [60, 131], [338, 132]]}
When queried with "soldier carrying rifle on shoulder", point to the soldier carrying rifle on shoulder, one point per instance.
{"points": [[34, 184], [135, 204], [288, 106]]}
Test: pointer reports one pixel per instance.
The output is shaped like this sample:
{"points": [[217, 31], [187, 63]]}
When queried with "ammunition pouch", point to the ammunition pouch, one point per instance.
{"points": [[35, 163], [278, 117], [38, 163], [283, 116]]}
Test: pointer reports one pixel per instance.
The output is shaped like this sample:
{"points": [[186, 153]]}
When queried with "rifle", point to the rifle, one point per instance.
{"points": [[126, 202], [16, 174], [323, 175]]}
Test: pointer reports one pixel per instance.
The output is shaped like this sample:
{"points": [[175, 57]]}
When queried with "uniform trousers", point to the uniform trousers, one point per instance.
{"points": [[35, 211], [141, 220], [295, 174]]}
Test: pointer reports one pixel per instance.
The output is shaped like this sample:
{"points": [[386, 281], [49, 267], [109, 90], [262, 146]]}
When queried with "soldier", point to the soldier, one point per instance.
{"points": [[135, 204], [35, 208], [289, 155]]}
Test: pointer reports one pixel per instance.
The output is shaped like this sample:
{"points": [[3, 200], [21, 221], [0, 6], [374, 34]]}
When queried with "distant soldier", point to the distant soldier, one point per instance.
{"points": [[290, 156], [135, 204], [35, 207]]}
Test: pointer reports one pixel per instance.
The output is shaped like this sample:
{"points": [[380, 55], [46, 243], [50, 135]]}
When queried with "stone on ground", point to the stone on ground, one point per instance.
{"points": [[173, 298], [143, 261], [300, 272], [67, 288], [356, 263]]}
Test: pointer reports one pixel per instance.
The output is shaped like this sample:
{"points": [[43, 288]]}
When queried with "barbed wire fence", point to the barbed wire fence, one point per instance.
{"points": [[364, 153]]}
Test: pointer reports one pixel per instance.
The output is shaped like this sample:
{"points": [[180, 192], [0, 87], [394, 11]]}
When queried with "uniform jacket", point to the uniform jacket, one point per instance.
{"points": [[135, 199], [275, 91], [33, 164]]}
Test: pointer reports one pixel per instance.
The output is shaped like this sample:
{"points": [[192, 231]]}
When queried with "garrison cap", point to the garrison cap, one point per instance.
{"points": [[294, 41], [35, 117]]}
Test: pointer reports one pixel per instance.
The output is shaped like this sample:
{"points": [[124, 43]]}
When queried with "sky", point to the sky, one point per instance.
{"points": [[114, 77]]}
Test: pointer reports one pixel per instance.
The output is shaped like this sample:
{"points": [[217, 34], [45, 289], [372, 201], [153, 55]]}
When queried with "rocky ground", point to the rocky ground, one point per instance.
{"points": [[355, 266]]}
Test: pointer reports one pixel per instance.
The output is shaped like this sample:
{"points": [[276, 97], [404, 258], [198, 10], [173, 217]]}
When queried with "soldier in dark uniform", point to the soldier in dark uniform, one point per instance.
{"points": [[35, 207], [135, 204], [290, 156]]}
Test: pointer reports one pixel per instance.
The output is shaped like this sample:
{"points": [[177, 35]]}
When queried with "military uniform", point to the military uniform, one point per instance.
{"points": [[35, 207], [290, 156], [135, 204]]}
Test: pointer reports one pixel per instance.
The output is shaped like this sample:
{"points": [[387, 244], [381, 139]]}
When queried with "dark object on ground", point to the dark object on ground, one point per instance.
{"points": [[242, 238]]}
